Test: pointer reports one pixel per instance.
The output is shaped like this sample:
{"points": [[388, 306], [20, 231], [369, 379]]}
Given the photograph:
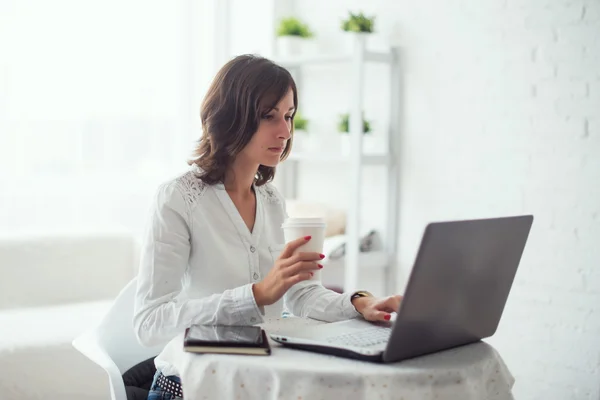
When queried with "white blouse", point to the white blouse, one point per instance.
{"points": [[199, 261]]}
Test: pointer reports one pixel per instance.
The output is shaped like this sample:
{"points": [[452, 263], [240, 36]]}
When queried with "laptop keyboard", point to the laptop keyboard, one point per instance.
{"points": [[362, 338]]}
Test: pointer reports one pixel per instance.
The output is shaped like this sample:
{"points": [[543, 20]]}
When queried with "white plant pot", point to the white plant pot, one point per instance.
{"points": [[329, 140], [369, 144], [345, 143], [306, 142], [288, 46], [301, 139], [355, 40]]}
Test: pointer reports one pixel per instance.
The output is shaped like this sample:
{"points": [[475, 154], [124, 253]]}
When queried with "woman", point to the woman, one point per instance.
{"points": [[214, 252]]}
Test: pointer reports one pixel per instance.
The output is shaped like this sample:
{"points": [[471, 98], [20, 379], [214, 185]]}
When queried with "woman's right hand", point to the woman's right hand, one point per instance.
{"points": [[288, 270]]}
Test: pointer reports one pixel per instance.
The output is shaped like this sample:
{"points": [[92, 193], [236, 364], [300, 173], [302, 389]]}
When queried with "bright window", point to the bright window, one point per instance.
{"points": [[99, 101]]}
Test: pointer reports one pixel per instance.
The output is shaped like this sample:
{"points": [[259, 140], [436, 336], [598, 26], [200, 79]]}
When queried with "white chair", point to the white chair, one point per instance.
{"points": [[112, 344]]}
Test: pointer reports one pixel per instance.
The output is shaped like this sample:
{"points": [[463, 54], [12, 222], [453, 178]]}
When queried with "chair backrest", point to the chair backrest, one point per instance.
{"points": [[115, 333]]}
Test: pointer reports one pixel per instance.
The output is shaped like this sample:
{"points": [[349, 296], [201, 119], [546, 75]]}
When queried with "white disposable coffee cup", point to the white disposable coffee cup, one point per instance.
{"points": [[295, 228]]}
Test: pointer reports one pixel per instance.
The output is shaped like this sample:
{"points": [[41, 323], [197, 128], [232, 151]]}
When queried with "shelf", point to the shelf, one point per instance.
{"points": [[308, 60], [367, 159], [370, 154], [366, 260]]}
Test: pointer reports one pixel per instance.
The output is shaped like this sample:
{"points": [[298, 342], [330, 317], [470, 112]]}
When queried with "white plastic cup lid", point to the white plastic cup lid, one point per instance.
{"points": [[304, 222]]}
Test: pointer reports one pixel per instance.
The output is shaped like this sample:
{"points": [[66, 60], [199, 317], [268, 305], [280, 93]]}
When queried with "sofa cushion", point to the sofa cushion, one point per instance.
{"points": [[51, 372], [48, 326], [39, 270], [37, 356]]}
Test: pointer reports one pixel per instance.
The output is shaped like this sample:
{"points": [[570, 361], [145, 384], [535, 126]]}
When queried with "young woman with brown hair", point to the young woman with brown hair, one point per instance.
{"points": [[212, 254]]}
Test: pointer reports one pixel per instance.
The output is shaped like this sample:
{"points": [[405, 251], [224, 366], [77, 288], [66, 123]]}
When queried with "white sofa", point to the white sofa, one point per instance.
{"points": [[53, 287]]}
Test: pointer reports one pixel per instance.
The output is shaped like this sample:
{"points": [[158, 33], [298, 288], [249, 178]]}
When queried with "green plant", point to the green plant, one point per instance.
{"points": [[344, 124], [358, 23], [300, 123], [292, 26]]}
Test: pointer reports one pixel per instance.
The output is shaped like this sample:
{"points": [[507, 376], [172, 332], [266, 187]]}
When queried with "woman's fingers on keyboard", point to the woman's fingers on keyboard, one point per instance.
{"points": [[390, 304], [382, 316]]}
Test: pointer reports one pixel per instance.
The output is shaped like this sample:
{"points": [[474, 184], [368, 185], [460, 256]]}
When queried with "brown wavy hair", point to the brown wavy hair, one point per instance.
{"points": [[245, 89]]}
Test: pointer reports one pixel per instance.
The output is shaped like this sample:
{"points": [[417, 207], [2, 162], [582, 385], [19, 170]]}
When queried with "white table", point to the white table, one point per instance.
{"points": [[472, 372]]}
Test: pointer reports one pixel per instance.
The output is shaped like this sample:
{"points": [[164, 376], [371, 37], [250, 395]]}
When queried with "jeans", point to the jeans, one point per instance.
{"points": [[157, 393]]}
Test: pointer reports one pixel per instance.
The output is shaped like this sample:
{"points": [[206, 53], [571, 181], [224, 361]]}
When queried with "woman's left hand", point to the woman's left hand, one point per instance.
{"points": [[377, 309]]}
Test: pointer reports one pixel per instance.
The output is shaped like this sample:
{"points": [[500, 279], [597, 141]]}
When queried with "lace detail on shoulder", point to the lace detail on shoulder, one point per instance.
{"points": [[191, 187], [269, 193]]}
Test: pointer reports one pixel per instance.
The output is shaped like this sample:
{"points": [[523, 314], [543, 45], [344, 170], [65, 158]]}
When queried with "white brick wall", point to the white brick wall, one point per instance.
{"points": [[502, 117]]}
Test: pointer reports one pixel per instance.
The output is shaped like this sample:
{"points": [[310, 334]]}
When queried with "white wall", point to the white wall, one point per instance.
{"points": [[502, 117]]}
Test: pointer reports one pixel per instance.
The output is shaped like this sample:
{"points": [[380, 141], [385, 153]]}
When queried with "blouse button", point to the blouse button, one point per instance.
{"points": [[252, 249], [255, 275]]}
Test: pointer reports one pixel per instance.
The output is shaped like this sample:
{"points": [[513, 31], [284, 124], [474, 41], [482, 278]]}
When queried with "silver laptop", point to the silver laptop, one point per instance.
{"points": [[455, 295]]}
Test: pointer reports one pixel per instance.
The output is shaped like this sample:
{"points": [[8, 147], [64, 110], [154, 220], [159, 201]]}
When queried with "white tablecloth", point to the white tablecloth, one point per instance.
{"points": [[472, 372]]}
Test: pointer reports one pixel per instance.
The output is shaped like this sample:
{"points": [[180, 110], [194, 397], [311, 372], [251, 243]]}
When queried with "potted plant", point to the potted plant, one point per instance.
{"points": [[300, 123], [358, 23], [291, 36], [300, 134], [344, 128], [344, 124], [359, 27]]}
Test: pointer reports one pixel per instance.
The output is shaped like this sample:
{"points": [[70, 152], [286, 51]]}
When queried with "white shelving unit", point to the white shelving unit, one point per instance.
{"points": [[356, 159], [367, 159]]}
